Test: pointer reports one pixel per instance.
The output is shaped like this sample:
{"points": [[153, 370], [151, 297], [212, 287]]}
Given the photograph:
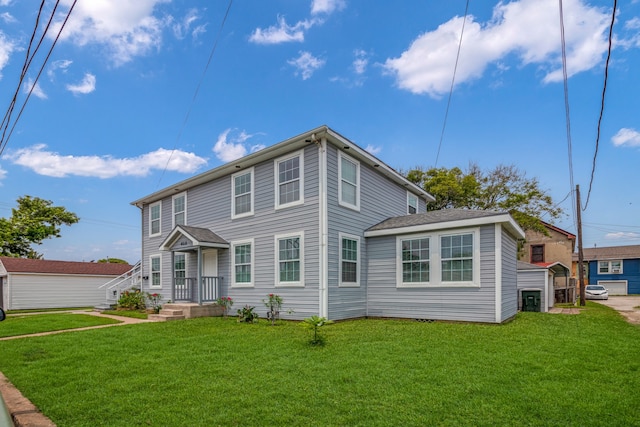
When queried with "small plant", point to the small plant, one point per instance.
{"points": [[225, 303], [131, 300], [274, 305], [314, 323], [247, 315], [154, 302]]}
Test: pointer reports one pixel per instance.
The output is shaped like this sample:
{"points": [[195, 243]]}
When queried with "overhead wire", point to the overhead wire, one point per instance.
{"points": [[197, 90], [5, 141], [567, 112], [604, 91], [453, 79]]}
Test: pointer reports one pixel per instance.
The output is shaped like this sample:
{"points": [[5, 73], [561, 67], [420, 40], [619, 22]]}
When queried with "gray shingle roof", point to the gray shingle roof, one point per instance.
{"points": [[433, 217], [203, 235], [611, 252]]}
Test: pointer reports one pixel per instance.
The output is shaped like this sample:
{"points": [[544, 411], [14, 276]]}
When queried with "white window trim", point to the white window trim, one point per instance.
{"points": [[151, 206], [409, 196], [358, 264], [355, 207], [173, 207], [435, 266], [233, 193], [278, 283], [276, 174], [610, 267], [159, 256], [235, 243]]}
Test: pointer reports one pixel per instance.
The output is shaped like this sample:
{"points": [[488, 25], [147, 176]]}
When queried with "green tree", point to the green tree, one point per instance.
{"points": [[33, 221], [504, 188], [112, 261]]}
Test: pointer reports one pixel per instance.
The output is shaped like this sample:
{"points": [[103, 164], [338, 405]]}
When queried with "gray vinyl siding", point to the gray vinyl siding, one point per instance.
{"points": [[209, 206], [509, 276], [532, 280], [380, 198], [385, 299]]}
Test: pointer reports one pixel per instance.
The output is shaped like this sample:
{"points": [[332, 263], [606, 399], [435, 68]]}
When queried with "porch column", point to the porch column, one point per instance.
{"points": [[173, 283], [199, 287]]}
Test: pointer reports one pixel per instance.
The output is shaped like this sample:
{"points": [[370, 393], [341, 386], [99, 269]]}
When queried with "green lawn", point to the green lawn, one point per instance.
{"points": [[539, 369], [34, 323]]}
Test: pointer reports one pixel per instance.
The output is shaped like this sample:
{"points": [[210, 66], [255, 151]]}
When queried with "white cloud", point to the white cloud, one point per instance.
{"points": [[3, 175], [48, 163], [621, 235], [7, 18], [231, 148], [373, 149], [426, 67], [306, 64], [360, 63], [182, 28], [61, 64], [87, 85], [327, 6], [35, 90], [281, 33], [626, 138], [126, 28], [6, 49]]}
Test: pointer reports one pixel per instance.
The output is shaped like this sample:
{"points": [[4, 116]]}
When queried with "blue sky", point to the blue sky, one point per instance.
{"points": [[126, 106]]}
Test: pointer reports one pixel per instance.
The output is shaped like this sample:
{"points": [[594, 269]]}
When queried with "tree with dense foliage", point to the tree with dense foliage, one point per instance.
{"points": [[30, 223], [113, 261], [504, 188]]}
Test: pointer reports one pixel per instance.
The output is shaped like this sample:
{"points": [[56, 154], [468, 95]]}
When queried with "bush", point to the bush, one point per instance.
{"points": [[132, 300], [247, 315]]}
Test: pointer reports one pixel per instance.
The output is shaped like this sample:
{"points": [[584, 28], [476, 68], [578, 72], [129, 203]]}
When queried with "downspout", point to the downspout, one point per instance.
{"points": [[323, 308], [498, 271]]}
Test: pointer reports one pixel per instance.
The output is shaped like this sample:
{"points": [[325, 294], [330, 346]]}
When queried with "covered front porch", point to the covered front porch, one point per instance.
{"points": [[194, 264]]}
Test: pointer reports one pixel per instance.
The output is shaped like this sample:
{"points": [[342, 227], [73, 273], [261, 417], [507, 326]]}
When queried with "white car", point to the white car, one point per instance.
{"points": [[596, 292]]}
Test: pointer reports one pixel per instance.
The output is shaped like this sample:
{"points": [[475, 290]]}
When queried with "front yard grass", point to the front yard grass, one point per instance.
{"points": [[539, 369], [34, 323]]}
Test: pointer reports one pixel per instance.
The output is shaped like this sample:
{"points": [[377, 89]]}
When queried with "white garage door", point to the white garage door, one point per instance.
{"points": [[615, 287]]}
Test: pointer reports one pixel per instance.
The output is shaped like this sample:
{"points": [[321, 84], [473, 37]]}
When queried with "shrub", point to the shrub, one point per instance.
{"points": [[314, 323], [274, 305], [154, 302], [225, 303], [247, 315], [131, 300]]}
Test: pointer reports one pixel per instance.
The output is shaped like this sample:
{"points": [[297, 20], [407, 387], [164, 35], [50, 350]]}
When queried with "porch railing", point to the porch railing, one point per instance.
{"points": [[126, 281], [186, 289]]}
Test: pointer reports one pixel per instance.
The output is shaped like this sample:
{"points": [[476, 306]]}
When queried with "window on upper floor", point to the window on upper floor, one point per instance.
{"points": [[349, 260], [537, 253], [349, 184], [179, 209], [242, 194], [242, 252], [289, 259], [610, 267], [289, 177], [155, 271], [412, 203], [155, 219]]}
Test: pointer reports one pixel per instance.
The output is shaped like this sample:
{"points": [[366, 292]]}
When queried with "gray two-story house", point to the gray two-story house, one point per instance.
{"points": [[331, 229]]}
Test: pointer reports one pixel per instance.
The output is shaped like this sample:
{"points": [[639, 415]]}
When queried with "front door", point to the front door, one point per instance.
{"points": [[209, 275]]}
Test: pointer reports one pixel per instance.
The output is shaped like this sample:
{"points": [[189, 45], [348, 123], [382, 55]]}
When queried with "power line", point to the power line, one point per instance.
{"points": [[195, 94], [565, 79], [604, 91], [453, 79], [5, 141]]}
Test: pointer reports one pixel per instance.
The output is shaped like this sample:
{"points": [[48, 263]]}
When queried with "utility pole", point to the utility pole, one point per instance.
{"points": [[580, 254]]}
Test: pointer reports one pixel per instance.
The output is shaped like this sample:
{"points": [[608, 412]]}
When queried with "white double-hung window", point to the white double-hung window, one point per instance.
{"points": [[242, 194], [289, 180], [155, 219], [155, 269], [290, 260], [438, 259], [242, 252], [610, 267], [349, 184], [349, 260], [179, 209]]}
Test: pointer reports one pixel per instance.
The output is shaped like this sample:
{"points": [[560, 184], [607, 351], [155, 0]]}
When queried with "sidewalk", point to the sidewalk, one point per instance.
{"points": [[123, 319]]}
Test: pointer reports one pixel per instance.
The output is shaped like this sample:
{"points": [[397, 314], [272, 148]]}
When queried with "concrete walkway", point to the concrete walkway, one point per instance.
{"points": [[123, 321], [626, 305]]}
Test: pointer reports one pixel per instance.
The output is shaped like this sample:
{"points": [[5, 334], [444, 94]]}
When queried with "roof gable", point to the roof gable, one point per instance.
{"points": [[25, 265], [184, 237]]}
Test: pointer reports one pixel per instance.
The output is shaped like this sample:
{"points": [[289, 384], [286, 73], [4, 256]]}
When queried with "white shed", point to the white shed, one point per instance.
{"points": [[35, 283]]}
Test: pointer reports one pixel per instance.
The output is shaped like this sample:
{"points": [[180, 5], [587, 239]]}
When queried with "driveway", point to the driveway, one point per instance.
{"points": [[626, 305]]}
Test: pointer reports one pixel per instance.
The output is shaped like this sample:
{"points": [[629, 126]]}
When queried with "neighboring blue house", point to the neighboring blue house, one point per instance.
{"points": [[331, 229], [616, 267]]}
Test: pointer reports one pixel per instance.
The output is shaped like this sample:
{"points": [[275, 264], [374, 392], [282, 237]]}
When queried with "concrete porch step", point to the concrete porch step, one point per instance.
{"points": [[165, 317], [171, 312]]}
